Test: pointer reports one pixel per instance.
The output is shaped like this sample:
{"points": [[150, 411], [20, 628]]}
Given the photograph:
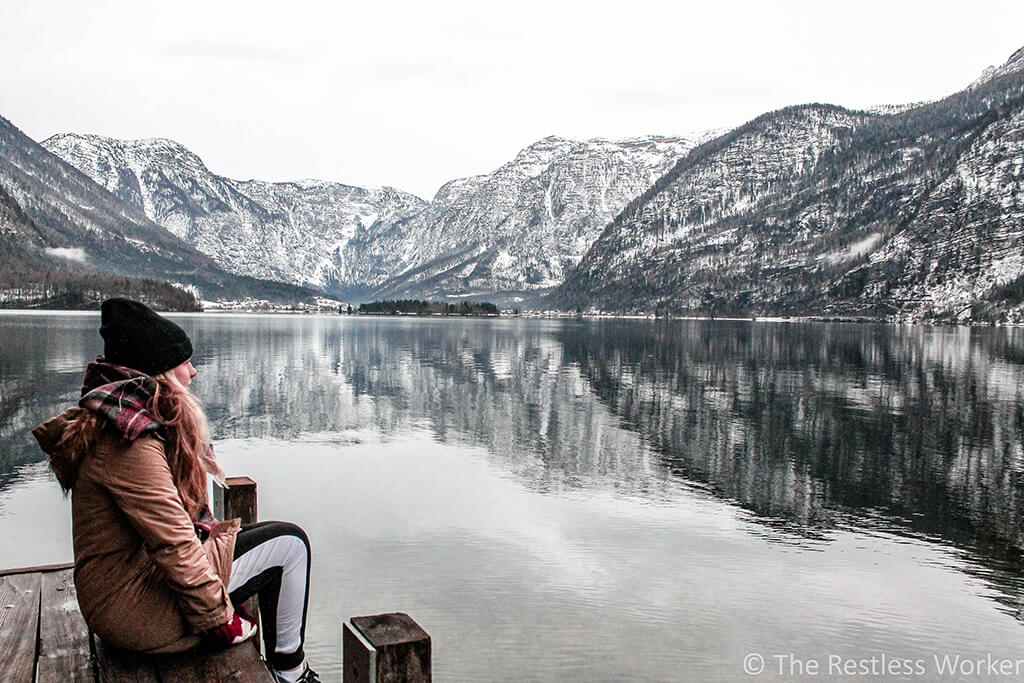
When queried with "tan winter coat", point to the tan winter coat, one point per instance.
{"points": [[144, 580]]}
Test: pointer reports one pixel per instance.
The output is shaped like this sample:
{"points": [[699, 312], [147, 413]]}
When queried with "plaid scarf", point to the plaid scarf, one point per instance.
{"points": [[121, 395]]}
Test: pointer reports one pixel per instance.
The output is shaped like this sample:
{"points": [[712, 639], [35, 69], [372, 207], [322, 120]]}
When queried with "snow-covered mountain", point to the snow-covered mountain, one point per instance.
{"points": [[56, 222], [289, 232], [909, 211], [817, 209], [517, 230], [1012, 65]]}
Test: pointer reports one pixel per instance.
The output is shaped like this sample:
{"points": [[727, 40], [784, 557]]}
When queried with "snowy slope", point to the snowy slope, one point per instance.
{"points": [[55, 218], [516, 230], [816, 209], [289, 232]]}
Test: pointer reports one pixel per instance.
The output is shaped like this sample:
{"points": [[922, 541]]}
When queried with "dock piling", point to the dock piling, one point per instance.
{"points": [[237, 500], [385, 648], [382, 648]]}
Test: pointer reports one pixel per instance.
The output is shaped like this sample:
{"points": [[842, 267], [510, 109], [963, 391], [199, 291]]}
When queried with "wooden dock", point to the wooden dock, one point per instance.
{"points": [[44, 639]]}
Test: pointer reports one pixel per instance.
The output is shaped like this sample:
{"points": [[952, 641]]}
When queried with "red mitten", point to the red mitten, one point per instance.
{"points": [[239, 629]]}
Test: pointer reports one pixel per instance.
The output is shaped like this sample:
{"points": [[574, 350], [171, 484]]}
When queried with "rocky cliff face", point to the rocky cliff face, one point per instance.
{"points": [[288, 232], [816, 209], [966, 240], [515, 231], [519, 230], [53, 218]]}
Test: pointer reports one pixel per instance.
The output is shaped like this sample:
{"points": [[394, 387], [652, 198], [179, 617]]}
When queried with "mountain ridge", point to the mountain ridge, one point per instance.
{"points": [[57, 219], [387, 243], [907, 211], [828, 242], [250, 227]]}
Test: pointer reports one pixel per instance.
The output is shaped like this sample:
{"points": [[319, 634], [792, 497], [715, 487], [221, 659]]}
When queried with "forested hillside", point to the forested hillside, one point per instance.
{"points": [[817, 209]]}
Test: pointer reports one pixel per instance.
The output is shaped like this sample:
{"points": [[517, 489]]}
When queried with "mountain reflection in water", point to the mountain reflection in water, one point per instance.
{"points": [[808, 426], [805, 423]]}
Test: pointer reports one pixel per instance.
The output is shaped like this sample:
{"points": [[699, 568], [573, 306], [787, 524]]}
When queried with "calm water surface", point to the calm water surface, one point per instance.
{"points": [[603, 500]]}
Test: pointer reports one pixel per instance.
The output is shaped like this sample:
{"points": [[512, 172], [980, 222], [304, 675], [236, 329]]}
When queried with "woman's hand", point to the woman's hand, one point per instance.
{"points": [[240, 628]]}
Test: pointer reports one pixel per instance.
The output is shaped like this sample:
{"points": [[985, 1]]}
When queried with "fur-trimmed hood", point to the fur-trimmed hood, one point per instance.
{"points": [[113, 397], [67, 438]]}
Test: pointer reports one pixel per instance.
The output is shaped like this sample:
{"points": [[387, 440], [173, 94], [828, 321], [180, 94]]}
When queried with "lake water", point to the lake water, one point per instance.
{"points": [[588, 500]]}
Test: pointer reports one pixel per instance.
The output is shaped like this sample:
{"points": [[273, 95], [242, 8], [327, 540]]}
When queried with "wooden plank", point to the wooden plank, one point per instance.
{"points": [[64, 649], [239, 663], [114, 665], [40, 568], [19, 627]]}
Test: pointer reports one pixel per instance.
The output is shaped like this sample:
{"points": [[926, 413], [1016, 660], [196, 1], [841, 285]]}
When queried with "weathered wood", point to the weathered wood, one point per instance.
{"points": [[385, 648], [238, 500], [44, 638], [64, 648], [37, 570], [19, 627], [114, 665], [358, 656], [239, 663]]}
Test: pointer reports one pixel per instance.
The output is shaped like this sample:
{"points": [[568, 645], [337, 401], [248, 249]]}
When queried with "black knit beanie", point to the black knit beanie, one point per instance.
{"points": [[136, 337]]}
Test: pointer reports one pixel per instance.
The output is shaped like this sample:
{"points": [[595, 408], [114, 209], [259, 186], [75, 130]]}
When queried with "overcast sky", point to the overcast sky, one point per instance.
{"points": [[413, 94]]}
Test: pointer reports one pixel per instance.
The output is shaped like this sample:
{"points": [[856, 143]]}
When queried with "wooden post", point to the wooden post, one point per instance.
{"points": [[238, 500], [385, 648]]}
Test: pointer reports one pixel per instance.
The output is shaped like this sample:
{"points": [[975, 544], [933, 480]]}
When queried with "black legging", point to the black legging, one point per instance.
{"points": [[269, 562]]}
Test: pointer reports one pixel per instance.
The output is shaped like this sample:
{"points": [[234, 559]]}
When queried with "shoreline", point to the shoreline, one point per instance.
{"points": [[544, 315]]}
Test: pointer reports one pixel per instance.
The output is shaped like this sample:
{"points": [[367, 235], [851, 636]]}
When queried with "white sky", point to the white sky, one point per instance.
{"points": [[413, 94]]}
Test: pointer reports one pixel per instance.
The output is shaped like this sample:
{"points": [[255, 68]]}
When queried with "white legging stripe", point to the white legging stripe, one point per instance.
{"points": [[289, 553]]}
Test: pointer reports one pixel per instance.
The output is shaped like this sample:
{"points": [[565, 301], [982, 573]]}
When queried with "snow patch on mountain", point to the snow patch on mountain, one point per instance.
{"points": [[855, 250], [68, 253]]}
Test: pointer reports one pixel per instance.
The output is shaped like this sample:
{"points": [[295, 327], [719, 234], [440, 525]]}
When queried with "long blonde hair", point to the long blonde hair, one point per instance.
{"points": [[187, 430]]}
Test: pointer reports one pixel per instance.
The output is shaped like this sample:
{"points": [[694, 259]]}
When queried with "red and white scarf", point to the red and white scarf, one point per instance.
{"points": [[122, 395]]}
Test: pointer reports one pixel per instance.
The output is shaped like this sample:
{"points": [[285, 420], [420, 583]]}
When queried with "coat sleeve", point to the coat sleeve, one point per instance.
{"points": [[142, 486]]}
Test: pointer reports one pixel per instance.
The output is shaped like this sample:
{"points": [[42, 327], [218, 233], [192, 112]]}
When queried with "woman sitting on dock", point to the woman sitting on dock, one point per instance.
{"points": [[154, 571]]}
